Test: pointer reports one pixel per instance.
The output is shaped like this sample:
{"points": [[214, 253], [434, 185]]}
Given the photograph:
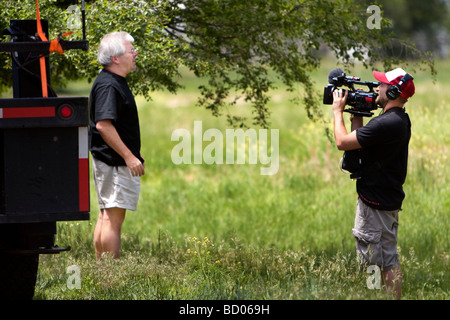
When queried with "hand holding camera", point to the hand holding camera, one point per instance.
{"points": [[339, 99]]}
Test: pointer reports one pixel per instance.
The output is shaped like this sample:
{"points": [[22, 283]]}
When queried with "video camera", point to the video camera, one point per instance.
{"points": [[361, 102]]}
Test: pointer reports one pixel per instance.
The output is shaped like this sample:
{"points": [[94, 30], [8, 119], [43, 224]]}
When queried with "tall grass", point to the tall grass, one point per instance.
{"points": [[227, 232]]}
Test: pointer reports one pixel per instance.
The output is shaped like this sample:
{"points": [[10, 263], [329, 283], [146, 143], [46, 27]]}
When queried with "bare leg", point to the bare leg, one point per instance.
{"points": [[392, 281], [98, 236], [107, 232]]}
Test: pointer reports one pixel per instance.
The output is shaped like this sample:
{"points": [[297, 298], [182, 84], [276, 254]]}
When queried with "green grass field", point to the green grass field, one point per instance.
{"points": [[227, 232]]}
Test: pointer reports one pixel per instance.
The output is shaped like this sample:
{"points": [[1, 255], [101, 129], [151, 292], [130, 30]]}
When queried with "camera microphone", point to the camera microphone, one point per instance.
{"points": [[338, 78], [334, 75]]}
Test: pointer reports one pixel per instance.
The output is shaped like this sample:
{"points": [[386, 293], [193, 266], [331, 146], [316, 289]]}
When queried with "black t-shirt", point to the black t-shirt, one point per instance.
{"points": [[384, 142], [112, 99]]}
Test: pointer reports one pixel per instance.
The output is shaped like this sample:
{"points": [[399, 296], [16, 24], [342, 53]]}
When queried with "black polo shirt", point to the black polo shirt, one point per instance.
{"points": [[384, 140], [112, 99]]}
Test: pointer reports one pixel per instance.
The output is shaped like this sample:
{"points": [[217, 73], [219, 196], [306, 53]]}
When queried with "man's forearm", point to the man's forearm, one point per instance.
{"points": [[112, 138], [344, 140], [357, 122], [339, 129]]}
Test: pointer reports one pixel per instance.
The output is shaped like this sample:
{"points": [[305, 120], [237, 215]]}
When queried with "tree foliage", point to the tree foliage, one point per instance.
{"points": [[236, 45]]}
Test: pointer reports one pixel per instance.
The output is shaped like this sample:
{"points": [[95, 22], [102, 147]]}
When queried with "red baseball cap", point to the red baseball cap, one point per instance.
{"points": [[394, 77]]}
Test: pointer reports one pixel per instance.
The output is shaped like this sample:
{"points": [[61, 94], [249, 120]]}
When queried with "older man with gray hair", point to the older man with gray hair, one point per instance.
{"points": [[114, 141]]}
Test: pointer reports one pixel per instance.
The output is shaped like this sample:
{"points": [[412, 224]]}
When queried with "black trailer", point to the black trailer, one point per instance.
{"points": [[44, 161]]}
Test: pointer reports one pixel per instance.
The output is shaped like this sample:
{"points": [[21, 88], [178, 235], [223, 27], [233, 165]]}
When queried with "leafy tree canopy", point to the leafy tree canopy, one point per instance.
{"points": [[234, 44]]}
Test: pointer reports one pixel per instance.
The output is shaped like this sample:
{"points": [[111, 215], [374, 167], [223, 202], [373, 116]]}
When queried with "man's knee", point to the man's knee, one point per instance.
{"points": [[114, 216]]}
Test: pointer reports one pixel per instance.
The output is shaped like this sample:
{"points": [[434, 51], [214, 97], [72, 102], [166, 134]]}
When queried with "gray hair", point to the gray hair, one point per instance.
{"points": [[111, 45]]}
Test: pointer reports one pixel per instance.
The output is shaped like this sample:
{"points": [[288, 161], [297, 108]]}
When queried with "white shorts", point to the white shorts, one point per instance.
{"points": [[115, 186]]}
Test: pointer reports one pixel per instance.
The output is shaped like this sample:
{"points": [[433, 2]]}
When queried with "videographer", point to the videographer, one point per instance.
{"points": [[383, 142]]}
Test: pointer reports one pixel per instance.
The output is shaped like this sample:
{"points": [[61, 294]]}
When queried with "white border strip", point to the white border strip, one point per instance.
{"points": [[83, 148]]}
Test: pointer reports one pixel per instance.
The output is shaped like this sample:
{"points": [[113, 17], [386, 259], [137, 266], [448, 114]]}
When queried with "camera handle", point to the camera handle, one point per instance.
{"points": [[370, 84], [359, 113]]}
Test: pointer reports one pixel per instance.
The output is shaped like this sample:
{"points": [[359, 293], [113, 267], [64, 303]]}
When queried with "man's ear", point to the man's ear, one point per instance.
{"points": [[114, 59]]}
